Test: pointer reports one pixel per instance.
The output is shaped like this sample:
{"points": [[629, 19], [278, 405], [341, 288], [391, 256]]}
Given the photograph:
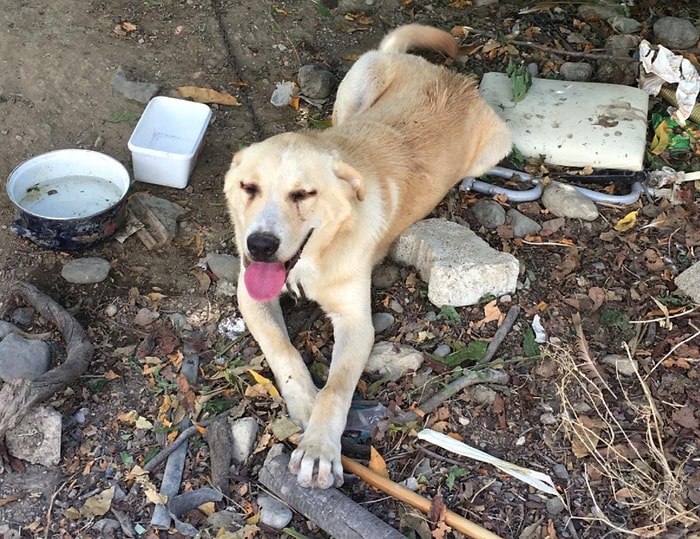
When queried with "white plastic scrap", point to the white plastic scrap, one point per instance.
{"points": [[232, 327], [663, 66], [283, 94], [538, 480], [538, 329]]}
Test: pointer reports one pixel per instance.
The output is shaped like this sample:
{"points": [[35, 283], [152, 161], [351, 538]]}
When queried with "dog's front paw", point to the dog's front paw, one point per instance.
{"points": [[316, 462]]}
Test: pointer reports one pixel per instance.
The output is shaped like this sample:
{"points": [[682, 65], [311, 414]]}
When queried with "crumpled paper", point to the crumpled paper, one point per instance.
{"points": [[663, 66]]}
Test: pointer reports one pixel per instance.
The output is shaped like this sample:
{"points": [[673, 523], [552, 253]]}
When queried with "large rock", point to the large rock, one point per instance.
{"points": [[688, 282], [37, 437], [460, 267], [676, 33]]}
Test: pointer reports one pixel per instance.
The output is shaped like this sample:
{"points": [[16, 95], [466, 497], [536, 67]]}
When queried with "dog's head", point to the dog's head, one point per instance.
{"points": [[283, 194]]}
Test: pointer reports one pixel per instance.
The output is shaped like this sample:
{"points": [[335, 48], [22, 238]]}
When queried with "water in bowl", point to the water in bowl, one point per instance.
{"points": [[70, 197]]}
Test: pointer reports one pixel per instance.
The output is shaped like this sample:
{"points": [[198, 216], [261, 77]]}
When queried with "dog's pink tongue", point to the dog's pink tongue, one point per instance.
{"points": [[264, 281]]}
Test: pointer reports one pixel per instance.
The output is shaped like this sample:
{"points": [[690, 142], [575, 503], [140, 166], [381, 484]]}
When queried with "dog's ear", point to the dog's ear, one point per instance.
{"points": [[237, 158], [347, 173]]}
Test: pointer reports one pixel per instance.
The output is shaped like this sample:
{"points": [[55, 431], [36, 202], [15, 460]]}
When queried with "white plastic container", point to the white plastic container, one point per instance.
{"points": [[167, 140]]}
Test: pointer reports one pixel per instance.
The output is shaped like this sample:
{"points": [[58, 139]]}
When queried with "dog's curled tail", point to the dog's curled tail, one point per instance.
{"points": [[418, 36]]}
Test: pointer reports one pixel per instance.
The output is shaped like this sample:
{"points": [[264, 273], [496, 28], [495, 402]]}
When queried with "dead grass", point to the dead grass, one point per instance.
{"points": [[616, 430]]}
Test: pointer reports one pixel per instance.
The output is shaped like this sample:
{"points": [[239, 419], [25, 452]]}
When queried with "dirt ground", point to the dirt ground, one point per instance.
{"points": [[57, 59]]}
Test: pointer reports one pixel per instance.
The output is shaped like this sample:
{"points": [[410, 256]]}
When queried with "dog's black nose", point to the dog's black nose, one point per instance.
{"points": [[262, 246]]}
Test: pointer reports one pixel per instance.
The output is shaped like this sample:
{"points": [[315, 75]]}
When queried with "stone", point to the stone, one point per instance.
{"points": [[460, 267], [554, 506], [123, 84], [86, 270], [619, 71], [576, 71], [625, 25], [621, 363], [688, 282], [600, 11], [22, 316], [382, 322], [393, 359], [273, 512], [6, 328], [442, 350], [385, 275], [564, 200], [489, 213], [224, 266], [229, 521], [244, 432], [37, 437], [522, 224], [676, 33], [23, 358], [315, 82]]}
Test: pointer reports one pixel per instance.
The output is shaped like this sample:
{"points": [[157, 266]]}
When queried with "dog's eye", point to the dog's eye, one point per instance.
{"points": [[250, 189], [300, 195]]}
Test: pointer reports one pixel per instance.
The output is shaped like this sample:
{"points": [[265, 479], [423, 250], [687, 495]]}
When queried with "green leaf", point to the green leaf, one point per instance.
{"points": [[616, 320], [531, 349], [119, 116], [127, 459], [474, 351], [520, 79], [321, 124], [452, 476], [448, 313], [322, 9], [516, 158]]}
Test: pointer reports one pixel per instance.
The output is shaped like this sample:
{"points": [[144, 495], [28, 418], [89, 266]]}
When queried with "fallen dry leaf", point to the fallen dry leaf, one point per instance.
{"points": [[376, 463], [207, 95]]}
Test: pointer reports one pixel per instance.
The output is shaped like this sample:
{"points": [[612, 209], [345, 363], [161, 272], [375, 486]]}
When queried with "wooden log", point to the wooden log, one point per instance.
{"points": [[330, 509]]}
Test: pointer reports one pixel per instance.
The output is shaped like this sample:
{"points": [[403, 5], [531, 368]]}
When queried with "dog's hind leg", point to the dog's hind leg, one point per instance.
{"points": [[266, 323], [366, 81]]}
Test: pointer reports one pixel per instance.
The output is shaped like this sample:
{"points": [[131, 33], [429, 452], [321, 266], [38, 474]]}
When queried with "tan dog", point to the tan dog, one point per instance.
{"points": [[316, 210]]}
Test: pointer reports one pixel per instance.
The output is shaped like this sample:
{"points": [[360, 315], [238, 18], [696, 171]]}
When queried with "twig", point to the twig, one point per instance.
{"points": [[500, 334], [543, 48], [675, 347], [401, 493], [489, 376]]}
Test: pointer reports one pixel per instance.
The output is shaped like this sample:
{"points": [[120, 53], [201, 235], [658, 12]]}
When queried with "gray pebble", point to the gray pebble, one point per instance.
{"points": [[565, 201], [23, 316], [554, 506], [676, 33], [385, 275], [576, 71], [625, 25], [86, 270], [224, 266], [273, 512], [442, 350], [396, 306], [522, 224], [560, 471], [597, 11], [244, 432], [6, 328], [315, 82], [489, 213], [621, 363], [23, 358], [382, 321]]}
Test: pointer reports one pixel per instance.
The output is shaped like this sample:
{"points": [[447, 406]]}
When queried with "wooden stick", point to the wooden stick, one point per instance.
{"points": [[330, 509], [413, 499]]}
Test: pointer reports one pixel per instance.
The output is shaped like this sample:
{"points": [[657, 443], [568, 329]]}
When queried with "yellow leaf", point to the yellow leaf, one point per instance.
{"points": [[155, 497], [660, 140], [207, 95], [143, 423], [128, 417], [265, 382], [628, 222], [98, 504], [376, 463]]}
